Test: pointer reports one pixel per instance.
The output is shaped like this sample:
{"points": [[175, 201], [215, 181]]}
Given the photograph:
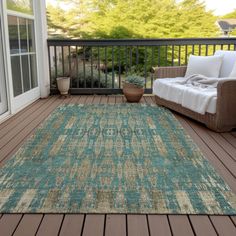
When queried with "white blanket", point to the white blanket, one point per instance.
{"points": [[199, 92], [200, 99]]}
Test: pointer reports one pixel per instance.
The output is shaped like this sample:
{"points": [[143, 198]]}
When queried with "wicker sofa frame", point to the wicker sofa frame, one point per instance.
{"points": [[223, 120]]}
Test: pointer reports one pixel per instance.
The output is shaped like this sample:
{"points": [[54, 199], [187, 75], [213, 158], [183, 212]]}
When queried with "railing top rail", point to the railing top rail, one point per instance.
{"points": [[141, 42]]}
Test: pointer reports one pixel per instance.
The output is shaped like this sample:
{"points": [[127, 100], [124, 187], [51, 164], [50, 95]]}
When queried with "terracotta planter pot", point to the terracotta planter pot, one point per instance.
{"points": [[63, 84], [132, 92]]}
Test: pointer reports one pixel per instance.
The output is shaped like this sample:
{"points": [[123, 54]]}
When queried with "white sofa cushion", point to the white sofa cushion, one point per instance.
{"points": [[208, 66], [233, 72], [170, 91], [228, 63]]}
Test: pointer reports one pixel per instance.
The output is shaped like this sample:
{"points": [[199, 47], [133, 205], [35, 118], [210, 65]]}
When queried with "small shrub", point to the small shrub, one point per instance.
{"points": [[136, 80]]}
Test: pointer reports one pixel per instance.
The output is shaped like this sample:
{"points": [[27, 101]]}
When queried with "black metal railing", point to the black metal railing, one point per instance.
{"points": [[100, 66]]}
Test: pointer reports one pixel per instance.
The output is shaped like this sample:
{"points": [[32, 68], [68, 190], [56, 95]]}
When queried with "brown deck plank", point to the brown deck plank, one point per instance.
{"points": [[20, 113], [94, 225], [180, 225], [21, 125], [137, 225], [8, 223], [10, 125], [89, 99], [28, 225], [226, 146], [202, 225], [9, 149], [82, 99], [119, 99], [50, 225], [233, 218], [230, 138], [208, 153], [72, 225], [111, 99], [159, 225], [96, 99], [223, 225], [104, 99], [115, 225], [228, 162]]}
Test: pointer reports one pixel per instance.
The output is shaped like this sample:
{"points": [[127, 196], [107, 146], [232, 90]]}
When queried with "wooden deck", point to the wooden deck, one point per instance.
{"points": [[220, 149]]}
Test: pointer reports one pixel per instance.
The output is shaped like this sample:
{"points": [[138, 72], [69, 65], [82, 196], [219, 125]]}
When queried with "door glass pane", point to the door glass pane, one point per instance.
{"points": [[23, 35], [25, 71], [13, 34], [33, 65], [16, 75], [23, 6], [31, 36]]}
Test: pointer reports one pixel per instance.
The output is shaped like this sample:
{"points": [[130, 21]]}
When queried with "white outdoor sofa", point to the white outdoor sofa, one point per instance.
{"points": [[220, 114]]}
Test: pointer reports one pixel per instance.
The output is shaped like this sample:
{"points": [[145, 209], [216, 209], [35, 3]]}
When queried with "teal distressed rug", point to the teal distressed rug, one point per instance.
{"points": [[127, 158]]}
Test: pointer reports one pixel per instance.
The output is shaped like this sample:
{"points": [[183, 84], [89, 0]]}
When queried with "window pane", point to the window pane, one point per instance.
{"points": [[31, 36], [23, 35], [16, 75], [24, 6], [13, 34], [33, 65], [25, 71]]}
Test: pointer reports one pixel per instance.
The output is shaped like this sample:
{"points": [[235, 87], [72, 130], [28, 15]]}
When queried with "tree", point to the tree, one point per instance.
{"points": [[133, 19], [230, 15]]}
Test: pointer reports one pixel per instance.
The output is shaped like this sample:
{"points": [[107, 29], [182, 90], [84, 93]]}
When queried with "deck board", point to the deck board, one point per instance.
{"points": [[72, 225], [180, 225], [115, 225], [137, 225], [219, 149], [28, 225], [8, 223], [202, 225], [50, 225], [223, 225], [94, 225], [160, 224]]}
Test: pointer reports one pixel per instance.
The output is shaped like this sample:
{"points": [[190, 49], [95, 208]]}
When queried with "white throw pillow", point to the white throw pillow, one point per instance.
{"points": [[233, 72], [228, 62], [208, 66]]}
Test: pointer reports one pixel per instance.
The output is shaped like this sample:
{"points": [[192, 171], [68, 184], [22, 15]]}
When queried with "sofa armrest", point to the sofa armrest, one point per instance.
{"points": [[169, 71], [226, 103]]}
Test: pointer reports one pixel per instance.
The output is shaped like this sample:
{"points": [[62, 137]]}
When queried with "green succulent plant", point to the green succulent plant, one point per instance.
{"points": [[136, 80]]}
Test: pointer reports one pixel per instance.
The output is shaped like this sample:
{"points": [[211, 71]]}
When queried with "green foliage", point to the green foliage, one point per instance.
{"points": [[23, 6], [133, 19], [230, 15], [135, 80], [92, 77]]}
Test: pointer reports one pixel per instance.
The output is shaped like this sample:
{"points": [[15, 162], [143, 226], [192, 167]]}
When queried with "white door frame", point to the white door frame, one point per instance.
{"points": [[40, 27], [19, 102], [4, 88]]}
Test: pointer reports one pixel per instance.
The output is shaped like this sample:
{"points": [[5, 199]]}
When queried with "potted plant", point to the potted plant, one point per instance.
{"points": [[63, 85], [133, 88]]}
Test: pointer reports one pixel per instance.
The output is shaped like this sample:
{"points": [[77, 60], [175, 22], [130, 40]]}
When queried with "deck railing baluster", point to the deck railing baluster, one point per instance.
{"points": [[91, 58], [113, 73]]}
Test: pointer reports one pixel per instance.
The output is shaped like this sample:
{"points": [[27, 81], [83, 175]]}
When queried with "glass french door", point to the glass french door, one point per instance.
{"points": [[3, 89], [23, 56]]}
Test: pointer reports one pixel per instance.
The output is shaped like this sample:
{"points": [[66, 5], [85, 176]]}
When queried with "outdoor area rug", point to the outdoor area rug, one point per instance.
{"points": [[123, 158]]}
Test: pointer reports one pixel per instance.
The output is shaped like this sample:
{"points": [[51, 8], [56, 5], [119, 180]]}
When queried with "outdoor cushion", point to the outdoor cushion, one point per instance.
{"points": [[233, 72], [208, 66], [170, 91], [228, 63]]}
